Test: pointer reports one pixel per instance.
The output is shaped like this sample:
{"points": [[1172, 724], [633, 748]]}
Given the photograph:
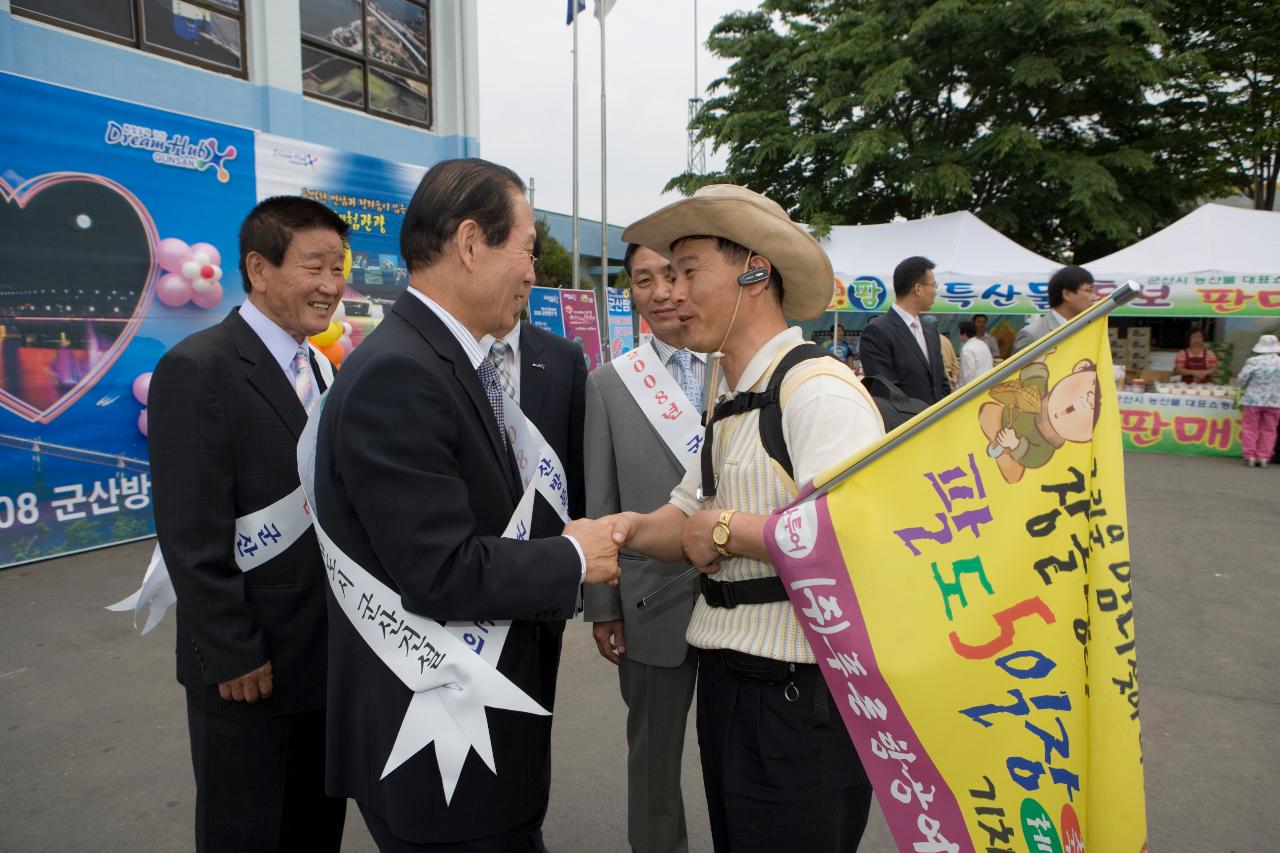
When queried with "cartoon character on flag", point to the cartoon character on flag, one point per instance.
{"points": [[1029, 420], [966, 588]]}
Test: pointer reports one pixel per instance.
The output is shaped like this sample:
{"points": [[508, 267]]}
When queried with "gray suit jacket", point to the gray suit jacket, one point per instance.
{"points": [[1035, 330], [629, 468]]}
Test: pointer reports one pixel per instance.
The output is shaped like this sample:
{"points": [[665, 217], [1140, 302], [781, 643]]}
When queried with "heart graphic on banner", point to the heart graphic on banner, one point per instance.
{"points": [[74, 293]]}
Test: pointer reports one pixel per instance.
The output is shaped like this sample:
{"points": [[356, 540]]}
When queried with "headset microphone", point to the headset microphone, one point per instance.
{"points": [[754, 275]]}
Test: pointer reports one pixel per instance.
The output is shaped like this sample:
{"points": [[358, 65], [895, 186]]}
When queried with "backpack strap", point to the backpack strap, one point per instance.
{"points": [[767, 401]]}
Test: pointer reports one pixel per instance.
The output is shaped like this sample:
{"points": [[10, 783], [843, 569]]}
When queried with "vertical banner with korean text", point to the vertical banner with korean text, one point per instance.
{"points": [[545, 311], [582, 324], [968, 598], [622, 334]]}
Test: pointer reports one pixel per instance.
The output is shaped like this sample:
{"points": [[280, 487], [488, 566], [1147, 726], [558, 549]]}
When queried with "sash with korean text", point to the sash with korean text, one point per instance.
{"points": [[968, 597], [674, 417], [259, 537], [452, 668]]}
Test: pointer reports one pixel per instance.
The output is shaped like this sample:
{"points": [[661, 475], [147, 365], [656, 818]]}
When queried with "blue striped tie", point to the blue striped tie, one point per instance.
{"points": [[684, 375]]}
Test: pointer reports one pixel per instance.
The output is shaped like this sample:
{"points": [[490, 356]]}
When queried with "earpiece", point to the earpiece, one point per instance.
{"points": [[754, 275]]}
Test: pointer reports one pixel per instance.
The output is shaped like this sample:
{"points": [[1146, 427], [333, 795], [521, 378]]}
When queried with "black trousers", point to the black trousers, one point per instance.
{"points": [[260, 783], [779, 774], [522, 839]]}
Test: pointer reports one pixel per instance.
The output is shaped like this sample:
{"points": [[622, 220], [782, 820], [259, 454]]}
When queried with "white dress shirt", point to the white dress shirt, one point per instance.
{"points": [[825, 420], [278, 342], [476, 353]]}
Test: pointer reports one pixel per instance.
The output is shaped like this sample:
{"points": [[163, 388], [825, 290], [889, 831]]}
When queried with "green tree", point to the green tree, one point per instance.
{"points": [[555, 263], [128, 527], [1225, 58], [1032, 113]]}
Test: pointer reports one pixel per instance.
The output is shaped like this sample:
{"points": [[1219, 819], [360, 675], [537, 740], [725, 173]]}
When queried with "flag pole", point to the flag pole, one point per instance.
{"points": [[604, 171], [1126, 292], [574, 6]]}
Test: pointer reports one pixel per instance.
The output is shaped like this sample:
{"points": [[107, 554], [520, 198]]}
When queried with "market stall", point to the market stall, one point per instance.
{"points": [[1204, 272]]}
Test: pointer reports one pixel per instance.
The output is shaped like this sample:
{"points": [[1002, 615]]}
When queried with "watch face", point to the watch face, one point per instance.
{"points": [[720, 535]]}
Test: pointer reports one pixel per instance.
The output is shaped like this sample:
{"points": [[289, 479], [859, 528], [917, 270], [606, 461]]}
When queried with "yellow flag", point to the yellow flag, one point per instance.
{"points": [[967, 595]]}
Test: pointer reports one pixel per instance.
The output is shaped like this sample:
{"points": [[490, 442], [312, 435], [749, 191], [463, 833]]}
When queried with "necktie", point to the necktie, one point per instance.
{"points": [[919, 333], [303, 382], [498, 358], [493, 390], [684, 375]]}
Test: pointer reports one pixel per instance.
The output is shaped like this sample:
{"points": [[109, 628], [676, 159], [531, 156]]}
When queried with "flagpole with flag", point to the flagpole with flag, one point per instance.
{"points": [[602, 11], [575, 6], [978, 554]]}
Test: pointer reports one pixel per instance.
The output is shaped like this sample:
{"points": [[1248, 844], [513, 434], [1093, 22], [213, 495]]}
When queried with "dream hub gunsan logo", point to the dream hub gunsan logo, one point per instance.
{"points": [[297, 158], [173, 149]]}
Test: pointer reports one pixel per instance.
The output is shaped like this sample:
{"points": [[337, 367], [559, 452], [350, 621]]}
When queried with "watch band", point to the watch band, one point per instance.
{"points": [[723, 522]]}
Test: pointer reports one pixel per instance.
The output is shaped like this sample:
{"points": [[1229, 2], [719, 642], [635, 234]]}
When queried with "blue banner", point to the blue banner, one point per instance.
{"points": [[125, 220], [545, 310], [622, 333]]}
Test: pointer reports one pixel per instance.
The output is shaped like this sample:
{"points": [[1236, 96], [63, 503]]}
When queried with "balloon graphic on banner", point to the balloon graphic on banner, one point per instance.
{"points": [[328, 336], [142, 422], [193, 274], [141, 386]]}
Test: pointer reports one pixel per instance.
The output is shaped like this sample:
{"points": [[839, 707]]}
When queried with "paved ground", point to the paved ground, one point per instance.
{"points": [[93, 749]]}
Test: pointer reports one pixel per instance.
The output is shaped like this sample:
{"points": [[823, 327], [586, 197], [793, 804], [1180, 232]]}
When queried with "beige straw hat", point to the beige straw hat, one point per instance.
{"points": [[748, 219]]}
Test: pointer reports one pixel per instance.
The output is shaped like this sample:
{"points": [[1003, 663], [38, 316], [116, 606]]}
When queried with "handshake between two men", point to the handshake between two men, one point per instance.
{"points": [[668, 535]]}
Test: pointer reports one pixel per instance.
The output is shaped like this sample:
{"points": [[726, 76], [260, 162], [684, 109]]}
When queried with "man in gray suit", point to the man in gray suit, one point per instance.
{"points": [[629, 467], [1070, 293]]}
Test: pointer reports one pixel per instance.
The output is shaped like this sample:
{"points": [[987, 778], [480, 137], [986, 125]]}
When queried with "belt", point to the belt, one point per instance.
{"points": [[730, 594]]}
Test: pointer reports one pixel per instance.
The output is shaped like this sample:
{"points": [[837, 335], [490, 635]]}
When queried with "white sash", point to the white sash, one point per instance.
{"points": [[259, 536], [451, 668], [675, 419]]}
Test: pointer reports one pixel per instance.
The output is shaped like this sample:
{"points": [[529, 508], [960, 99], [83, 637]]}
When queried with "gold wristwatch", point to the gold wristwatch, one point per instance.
{"points": [[720, 533]]}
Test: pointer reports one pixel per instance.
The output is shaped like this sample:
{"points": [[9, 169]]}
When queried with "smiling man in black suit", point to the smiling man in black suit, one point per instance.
{"points": [[898, 346], [415, 483], [227, 406]]}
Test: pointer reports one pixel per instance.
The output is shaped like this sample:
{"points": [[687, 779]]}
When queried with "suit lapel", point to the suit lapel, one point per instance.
{"points": [[437, 334], [904, 333], [534, 381], [265, 374]]}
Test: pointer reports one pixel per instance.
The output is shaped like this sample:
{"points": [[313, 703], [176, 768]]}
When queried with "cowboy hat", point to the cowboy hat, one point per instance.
{"points": [[751, 220], [1267, 343]]}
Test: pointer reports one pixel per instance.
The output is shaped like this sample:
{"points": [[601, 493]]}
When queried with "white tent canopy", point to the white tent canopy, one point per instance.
{"points": [[1215, 261], [1212, 239], [978, 268]]}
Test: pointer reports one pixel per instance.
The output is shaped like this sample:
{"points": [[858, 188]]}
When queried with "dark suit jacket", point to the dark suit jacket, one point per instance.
{"points": [[553, 396], [413, 483], [889, 349], [223, 425]]}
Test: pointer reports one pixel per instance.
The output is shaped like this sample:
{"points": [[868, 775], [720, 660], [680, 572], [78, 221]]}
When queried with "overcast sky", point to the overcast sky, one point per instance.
{"points": [[526, 100]]}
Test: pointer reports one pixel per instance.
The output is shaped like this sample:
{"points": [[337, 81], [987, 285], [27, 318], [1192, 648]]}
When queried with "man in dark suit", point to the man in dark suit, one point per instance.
{"points": [[226, 408], [898, 346], [415, 483]]}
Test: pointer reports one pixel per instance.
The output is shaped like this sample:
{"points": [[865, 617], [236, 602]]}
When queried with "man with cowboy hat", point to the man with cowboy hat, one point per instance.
{"points": [[779, 768]]}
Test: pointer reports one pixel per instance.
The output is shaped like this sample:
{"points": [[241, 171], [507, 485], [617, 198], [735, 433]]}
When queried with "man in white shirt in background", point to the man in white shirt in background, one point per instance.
{"points": [[975, 355]]}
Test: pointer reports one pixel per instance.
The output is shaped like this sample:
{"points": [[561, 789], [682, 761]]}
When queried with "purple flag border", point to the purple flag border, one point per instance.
{"points": [[917, 802]]}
